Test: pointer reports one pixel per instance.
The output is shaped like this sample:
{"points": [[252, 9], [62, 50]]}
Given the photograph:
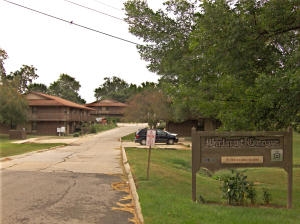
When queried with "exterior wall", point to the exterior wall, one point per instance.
{"points": [[47, 113], [17, 134], [4, 128], [107, 111], [44, 127], [50, 127], [184, 129], [74, 114], [57, 113]]}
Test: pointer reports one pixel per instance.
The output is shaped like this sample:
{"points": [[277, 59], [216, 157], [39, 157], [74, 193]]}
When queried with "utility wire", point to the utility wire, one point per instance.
{"points": [[108, 5], [73, 23], [103, 13]]}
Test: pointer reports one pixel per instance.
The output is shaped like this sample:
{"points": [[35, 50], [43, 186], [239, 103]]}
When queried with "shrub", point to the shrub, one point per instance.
{"points": [[236, 189], [93, 129], [266, 196], [251, 193], [76, 134]]}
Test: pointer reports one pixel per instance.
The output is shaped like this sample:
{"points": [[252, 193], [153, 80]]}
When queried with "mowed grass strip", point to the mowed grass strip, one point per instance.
{"points": [[8, 148], [166, 196]]}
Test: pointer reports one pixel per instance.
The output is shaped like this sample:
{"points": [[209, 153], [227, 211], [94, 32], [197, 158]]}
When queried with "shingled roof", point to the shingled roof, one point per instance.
{"points": [[48, 100], [106, 103]]}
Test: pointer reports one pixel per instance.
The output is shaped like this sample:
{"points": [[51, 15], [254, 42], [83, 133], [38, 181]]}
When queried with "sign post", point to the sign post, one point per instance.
{"points": [[150, 141], [221, 150]]}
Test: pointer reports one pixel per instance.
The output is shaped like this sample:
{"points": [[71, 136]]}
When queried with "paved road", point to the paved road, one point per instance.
{"points": [[72, 184]]}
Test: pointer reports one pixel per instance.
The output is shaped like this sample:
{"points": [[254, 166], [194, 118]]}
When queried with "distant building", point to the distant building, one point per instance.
{"points": [[104, 109], [184, 129], [51, 115]]}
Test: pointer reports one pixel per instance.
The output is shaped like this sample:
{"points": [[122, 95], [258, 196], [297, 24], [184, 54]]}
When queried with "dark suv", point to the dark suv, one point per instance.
{"points": [[161, 137]]}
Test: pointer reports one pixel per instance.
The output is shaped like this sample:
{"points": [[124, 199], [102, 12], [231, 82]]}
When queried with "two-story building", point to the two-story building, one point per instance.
{"points": [[52, 115], [107, 109]]}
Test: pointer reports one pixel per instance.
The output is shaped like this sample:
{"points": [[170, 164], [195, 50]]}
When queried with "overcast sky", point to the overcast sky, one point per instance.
{"points": [[54, 46]]}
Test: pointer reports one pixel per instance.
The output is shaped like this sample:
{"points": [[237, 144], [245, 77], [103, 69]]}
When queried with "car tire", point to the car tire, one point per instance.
{"points": [[170, 142], [143, 142]]}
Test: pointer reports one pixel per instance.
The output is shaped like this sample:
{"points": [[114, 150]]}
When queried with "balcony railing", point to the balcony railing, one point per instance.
{"points": [[57, 116]]}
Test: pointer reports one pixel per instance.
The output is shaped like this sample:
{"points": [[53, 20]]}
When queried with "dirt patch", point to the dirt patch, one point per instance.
{"points": [[126, 203], [6, 159]]}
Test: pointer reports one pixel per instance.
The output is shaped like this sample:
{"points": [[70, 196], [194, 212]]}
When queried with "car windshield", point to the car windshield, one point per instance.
{"points": [[159, 131]]}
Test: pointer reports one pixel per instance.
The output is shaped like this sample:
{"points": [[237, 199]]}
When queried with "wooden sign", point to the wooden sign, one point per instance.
{"points": [[221, 150]]}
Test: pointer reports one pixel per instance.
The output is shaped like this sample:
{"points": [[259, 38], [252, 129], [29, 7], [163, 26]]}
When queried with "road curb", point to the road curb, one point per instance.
{"points": [[132, 186]]}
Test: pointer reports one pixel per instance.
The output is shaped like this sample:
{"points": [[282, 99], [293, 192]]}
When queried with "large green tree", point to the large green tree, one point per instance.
{"points": [[66, 87], [23, 77], [221, 58], [13, 105], [114, 88], [118, 89]]}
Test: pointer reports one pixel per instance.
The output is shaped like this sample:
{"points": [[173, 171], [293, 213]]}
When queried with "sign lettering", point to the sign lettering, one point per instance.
{"points": [[241, 142]]}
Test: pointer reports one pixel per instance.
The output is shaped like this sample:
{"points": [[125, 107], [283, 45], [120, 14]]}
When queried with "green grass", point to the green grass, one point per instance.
{"points": [[129, 137], [296, 149], [8, 148], [166, 196]]}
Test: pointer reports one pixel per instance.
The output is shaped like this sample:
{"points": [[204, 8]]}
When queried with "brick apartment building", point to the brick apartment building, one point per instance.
{"points": [[49, 114], [107, 109]]}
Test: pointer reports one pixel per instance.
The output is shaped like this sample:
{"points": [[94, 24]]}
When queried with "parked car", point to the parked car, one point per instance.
{"points": [[161, 137]]}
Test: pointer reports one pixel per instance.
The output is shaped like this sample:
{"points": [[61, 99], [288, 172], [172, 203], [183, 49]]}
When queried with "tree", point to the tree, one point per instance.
{"points": [[114, 88], [24, 77], [66, 87], [212, 56], [150, 106], [14, 107], [3, 56], [38, 87]]}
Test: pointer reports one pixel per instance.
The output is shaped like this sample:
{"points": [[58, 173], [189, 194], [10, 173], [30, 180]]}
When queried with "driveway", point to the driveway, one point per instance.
{"points": [[79, 183]]}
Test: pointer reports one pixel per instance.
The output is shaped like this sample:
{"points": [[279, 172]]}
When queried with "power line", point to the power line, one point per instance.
{"points": [[108, 5], [86, 7], [73, 23]]}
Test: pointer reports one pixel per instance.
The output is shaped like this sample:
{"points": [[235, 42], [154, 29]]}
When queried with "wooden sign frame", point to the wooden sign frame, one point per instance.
{"points": [[222, 150]]}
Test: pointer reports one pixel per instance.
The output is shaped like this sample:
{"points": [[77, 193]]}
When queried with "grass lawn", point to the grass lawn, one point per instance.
{"points": [[8, 148], [166, 196]]}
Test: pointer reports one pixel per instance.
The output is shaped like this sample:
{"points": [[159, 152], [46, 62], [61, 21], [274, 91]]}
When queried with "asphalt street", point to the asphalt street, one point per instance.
{"points": [[80, 183]]}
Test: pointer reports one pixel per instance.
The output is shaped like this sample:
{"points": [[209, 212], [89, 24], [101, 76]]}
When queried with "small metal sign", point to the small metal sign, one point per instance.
{"points": [[276, 155], [150, 138]]}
